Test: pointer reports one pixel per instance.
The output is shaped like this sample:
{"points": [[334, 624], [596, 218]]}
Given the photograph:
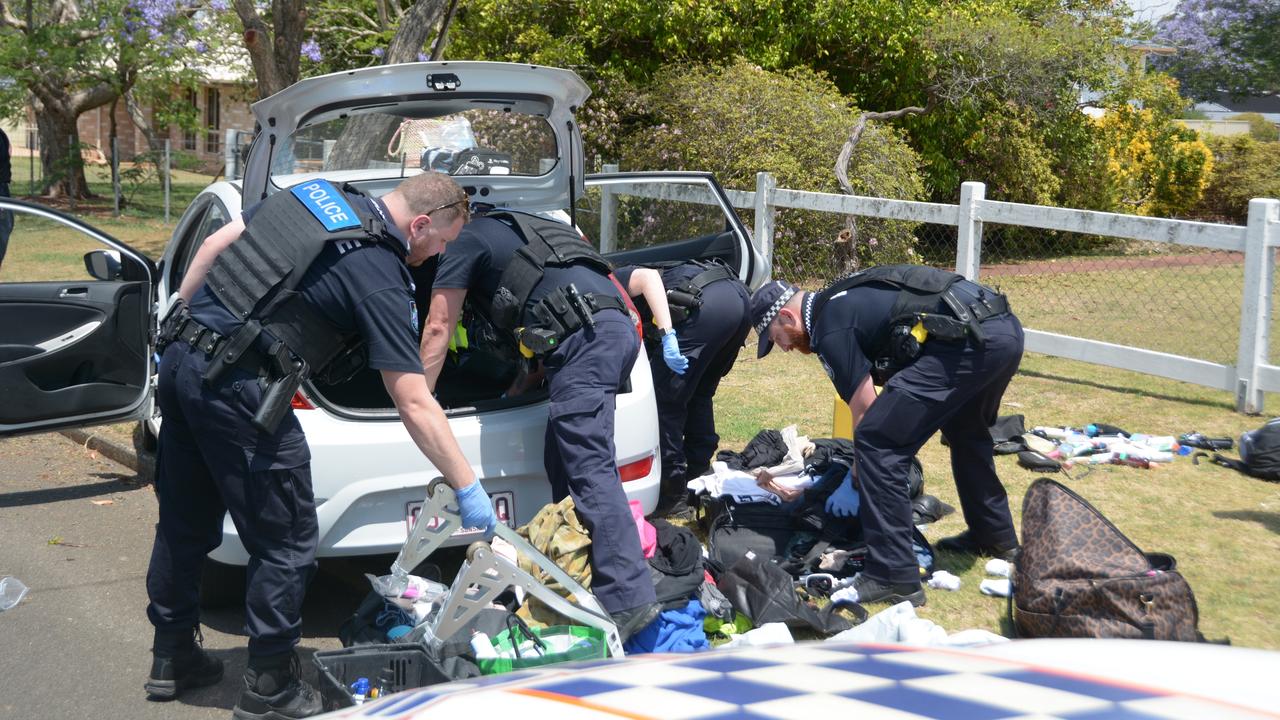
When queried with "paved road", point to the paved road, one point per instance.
{"points": [[79, 644]]}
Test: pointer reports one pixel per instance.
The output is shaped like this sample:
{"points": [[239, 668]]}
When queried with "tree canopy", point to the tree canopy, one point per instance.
{"points": [[66, 57], [1224, 46]]}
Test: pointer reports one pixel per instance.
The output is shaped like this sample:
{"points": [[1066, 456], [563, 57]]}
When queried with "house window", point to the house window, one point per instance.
{"points": [[212, 120], [189, 136]]}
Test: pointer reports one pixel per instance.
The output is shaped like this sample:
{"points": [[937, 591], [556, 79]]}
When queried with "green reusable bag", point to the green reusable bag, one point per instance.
{"points": [[564, 643]]}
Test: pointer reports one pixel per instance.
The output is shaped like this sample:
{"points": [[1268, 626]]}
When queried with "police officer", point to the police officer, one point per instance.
{"points": [[539, 281], [944, 349], [308, 280], [696, 316]]}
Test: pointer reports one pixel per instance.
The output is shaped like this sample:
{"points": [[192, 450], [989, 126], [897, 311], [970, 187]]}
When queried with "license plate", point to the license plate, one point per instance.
{"points": [[504, 506]]}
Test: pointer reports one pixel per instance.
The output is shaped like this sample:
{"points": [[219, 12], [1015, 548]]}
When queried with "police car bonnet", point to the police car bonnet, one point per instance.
{"points": [[425, 90]]}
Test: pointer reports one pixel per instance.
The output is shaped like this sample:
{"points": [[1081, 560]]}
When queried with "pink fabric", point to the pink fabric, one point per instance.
{"points": [[648, 535]]}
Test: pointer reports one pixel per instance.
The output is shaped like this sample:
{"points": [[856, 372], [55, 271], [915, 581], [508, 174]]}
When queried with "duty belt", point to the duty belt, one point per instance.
{"points": [[910, 332], [282, 371], [560, 314], [968, 316], [190, 331]]}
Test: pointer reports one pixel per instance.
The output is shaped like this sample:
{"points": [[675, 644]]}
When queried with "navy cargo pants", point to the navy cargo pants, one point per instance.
{"points": [[583, 377], [954, 387], [711, 339], [211, 460]]}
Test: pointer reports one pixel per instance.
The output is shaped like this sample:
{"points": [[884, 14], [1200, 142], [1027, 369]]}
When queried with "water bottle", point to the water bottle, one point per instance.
{"points": [[1052, 433]]}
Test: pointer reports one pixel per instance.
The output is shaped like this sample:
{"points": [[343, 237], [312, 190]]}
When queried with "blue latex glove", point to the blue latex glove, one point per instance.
{"points": [[477, 511], [845, 500], [671, 353]]}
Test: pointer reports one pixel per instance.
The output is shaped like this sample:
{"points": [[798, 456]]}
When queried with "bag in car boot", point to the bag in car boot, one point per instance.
{"points": [[1077, 575]]}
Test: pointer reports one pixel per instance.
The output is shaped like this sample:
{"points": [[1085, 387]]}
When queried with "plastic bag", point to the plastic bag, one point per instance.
{"points": [[561, 643], [11, 592]]}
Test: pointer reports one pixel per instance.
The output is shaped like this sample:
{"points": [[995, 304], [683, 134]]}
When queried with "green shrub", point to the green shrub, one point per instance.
{"points": [[1243, 169], [1262, 129], [738, 120]]}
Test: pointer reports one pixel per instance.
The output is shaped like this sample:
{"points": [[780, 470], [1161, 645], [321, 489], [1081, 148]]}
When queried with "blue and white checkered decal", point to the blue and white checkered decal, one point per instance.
{"points": [[813, 681], [327, 204]]}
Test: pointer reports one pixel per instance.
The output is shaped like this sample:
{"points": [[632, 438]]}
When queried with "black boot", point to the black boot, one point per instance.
{"points": [[274, 690], [178, 662], [630, 622], [673, 500]]}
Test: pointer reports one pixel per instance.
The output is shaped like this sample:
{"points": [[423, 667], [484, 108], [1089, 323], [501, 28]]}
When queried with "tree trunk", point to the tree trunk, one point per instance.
{"points": [[848, 238], [155, 144], [60, 152], [274, 51], [366, 136]]}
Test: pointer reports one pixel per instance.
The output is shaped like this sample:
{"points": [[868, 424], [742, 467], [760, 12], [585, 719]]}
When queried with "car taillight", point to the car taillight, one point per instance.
{"points": [[300, 402], [636, 470]]}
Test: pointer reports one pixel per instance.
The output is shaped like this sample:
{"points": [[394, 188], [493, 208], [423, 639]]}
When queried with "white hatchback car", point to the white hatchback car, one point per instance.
{"points": [[77, 350]]}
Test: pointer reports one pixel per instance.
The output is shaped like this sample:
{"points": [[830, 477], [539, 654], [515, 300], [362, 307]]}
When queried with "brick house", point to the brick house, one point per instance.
{"points": [[221, 99], [222, 105]]}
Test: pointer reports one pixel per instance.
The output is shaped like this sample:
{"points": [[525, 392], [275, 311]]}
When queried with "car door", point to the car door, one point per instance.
{"points": [[76, 323], [637, 218]]}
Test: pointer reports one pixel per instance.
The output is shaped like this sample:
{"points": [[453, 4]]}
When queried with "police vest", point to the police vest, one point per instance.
{"points": [[255, 276], [914, 316], [546, 242]]}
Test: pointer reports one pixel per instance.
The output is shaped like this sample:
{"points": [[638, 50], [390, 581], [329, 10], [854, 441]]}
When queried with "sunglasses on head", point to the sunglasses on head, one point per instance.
{"points": [[466, 209]]}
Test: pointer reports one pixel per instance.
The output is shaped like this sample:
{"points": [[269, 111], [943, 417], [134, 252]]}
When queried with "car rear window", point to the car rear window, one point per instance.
{"points": [[373, 144]]}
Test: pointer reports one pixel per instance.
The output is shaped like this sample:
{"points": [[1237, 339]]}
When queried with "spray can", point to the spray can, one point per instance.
{"points": [[359, 689], [386, 682], [482, 646]]}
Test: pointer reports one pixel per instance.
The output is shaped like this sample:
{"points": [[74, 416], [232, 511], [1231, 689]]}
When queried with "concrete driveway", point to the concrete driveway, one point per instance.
{"points": [[76, 528]]}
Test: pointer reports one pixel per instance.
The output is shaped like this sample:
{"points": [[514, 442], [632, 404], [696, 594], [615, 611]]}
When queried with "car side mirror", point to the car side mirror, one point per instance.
{"points": [[103, 264]]}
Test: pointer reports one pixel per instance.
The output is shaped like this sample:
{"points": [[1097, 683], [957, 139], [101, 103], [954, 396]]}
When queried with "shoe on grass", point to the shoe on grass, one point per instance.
{"points": [[965, 543], [867, 590]]}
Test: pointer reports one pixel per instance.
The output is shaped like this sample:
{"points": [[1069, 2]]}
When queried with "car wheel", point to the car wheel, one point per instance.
{"points": [[221, 585], [144, 447]]}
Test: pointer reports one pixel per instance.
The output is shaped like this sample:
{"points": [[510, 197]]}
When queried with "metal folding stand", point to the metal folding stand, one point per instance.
{"points": [[485, 575]]}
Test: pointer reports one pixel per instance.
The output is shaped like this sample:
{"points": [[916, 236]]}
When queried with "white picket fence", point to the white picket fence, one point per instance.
{"points": [[1249, 378]]}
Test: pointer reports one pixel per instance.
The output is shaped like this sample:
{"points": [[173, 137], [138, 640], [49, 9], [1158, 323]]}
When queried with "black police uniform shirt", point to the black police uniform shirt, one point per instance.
{"points": [[360, 286], [849, 328], [845, 330], [476, 260]]}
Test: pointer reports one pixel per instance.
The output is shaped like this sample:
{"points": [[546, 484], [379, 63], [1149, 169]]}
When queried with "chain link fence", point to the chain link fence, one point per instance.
{"points": [[1155, 296], [1179, 292]]}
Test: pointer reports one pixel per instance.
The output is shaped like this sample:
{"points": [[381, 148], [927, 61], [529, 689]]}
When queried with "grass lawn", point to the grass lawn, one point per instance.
{"points": [[142, 200], [1223, 527]]}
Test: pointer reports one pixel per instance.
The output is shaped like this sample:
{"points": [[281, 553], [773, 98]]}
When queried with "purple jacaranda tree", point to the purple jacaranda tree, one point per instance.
{"points": [[66, 57], [1224, 46], [359, 33]]}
